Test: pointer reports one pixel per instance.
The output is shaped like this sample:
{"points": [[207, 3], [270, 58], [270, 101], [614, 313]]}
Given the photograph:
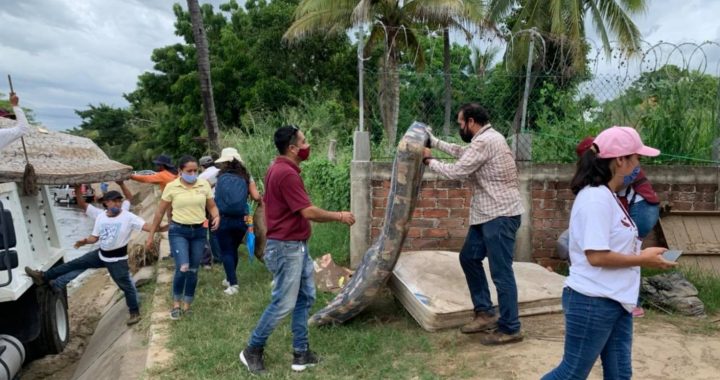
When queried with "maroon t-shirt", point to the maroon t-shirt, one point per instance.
{"points": [[285, 196]]}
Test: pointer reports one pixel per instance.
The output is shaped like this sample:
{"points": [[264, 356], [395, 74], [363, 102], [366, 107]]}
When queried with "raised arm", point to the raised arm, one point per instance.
{"points": [[125, 190], [79, 198]]}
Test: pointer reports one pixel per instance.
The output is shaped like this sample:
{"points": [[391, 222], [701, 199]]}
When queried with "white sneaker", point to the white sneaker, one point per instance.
{"points": [[225, 284], [231, 290]]}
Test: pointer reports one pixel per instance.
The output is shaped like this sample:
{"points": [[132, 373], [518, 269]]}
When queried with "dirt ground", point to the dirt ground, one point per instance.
{"points": [[661, 350], [85, 307]]}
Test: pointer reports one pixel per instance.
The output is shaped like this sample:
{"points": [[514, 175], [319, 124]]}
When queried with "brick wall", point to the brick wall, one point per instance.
{"points": [[440, 220]]}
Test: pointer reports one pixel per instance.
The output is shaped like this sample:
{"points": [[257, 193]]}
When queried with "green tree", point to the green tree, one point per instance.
{"points": [[561, 24], [393, 24]]}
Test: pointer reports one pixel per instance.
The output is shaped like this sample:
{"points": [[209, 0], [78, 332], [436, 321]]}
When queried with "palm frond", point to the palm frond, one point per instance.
{"points": [[620, 24], [319, 16]]}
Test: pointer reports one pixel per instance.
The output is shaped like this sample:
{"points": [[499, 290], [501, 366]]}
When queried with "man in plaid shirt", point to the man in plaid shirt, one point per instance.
{"points": [[488, 164]]}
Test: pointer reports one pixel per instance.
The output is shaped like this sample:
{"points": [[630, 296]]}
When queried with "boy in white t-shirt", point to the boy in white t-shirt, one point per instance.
{"points": [[112, 229]]}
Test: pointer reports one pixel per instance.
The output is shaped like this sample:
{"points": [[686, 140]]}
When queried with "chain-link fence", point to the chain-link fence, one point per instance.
{"points": [[669, 92]]}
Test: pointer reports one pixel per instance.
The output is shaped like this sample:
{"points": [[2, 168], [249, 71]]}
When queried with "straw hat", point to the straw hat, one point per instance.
{"points": [[228, 154]]}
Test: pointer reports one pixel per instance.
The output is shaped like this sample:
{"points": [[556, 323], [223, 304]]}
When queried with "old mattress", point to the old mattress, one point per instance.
{"points": [[431, 286], [58, 158]]}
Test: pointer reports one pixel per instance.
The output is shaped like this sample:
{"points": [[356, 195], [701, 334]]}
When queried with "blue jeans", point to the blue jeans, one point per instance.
{"points": [[61, 282], [215, 247], [186, 244], [496, 241], [293, 290], [230, 235], [119, 271], [594, 326], [645, 217]]}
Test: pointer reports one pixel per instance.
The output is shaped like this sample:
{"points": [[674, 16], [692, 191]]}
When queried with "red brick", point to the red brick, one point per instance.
{"points": [[537, 222], [562, 185], [434, 193], [543, 194], [453, 223], [538, 185], [424, 223], [427, 184], [454, 244], [683, 196], [414, 232], [459, 212], [459, 193], [376, 183], [458, 232], [426, 203], [565, 194], [448, 184], [543, 214], [386, 184], [537, 204], [435, 233], [549, 204], [704, 206], [451, 203], [376, 222], [435, 213], [418, 244], [560, 223], [379, 202], [375, 232], [706, 197], [378, 213], [682, 206], [684, 188], [706, 188], [380, 193], [418, 213]]}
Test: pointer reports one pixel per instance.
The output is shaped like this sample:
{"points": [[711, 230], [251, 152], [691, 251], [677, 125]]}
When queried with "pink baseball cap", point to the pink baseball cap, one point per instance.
{"points": [[622, 141]]}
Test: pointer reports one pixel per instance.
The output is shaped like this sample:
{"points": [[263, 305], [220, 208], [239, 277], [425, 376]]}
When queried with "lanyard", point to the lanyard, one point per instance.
{"points": [[621, 207]]}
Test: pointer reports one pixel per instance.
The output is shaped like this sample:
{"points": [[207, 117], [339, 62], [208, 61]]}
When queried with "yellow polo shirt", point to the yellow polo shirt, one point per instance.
{"points": [[188, 204]]}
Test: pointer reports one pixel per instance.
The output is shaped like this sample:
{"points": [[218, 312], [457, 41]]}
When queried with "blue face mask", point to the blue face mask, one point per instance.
{"points": [[114, 210], [189, 178], [628, 179]]}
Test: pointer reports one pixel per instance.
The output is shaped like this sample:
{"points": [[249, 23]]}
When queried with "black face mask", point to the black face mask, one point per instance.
{"points": [[465, 135]]}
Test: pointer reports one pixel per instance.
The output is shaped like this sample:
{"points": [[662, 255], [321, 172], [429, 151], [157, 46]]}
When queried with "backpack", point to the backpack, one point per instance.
{"points": [[231, 192]]}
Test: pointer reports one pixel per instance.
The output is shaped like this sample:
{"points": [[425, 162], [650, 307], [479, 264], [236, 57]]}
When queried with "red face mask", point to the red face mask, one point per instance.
{"points": [[304, 153]]}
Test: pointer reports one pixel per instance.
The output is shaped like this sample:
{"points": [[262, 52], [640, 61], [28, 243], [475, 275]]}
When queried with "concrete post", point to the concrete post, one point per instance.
{"points": [[360, 200], [523, 240]]}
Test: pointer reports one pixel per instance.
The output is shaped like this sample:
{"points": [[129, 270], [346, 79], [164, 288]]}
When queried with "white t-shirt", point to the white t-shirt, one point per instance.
{"points": [[93, 212], [115, 232], [210, 174], [598, 222]]}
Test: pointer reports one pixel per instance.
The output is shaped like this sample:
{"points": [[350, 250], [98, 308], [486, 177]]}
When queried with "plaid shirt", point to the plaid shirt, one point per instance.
{"points": [[489, 164]]}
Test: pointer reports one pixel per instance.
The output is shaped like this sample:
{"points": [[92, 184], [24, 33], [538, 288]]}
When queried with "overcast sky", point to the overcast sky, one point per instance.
{"points": [[66, 54]]}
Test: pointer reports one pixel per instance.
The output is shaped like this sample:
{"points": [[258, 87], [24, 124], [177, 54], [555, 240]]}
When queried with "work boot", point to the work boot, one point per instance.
{"points": [[304, 359], [36, 275], [496, 338], [134, 318], [253, 359], [483, 321]]}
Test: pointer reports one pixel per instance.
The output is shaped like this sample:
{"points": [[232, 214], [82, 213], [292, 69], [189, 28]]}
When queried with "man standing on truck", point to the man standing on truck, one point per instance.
{"points": [[113, 229], [8, 135]]}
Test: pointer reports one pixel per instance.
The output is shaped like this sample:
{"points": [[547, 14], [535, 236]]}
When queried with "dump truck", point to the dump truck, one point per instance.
{"points": [[34, 319]]}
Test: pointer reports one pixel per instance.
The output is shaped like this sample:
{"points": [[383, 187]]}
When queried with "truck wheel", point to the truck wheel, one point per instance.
{"points": [[55, 330]]}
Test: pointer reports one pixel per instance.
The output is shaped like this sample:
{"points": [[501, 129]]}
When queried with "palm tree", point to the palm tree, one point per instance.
{"points": [[561, 23], [392, 24], [206, 91]]}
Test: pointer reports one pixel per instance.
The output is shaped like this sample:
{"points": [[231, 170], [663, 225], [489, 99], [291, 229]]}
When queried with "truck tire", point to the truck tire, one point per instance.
{"points": [[55, 330]]}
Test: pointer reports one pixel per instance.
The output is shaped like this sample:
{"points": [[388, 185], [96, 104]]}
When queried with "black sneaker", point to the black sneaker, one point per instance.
{"points": [[36, 275], [253, 360], [304, 359]]}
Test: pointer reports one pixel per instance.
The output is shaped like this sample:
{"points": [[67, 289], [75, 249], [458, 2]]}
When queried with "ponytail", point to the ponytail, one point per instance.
{"points": [[591, 170]]}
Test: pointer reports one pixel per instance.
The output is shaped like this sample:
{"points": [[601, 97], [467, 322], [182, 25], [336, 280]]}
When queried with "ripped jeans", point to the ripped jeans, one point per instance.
{"points": [[187, 243]]}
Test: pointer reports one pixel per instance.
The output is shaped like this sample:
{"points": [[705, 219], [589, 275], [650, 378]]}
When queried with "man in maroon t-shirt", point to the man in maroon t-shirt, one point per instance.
{"points": [[288, 212]]}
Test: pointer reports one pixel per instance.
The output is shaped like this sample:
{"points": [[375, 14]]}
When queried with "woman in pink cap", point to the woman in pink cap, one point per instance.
{"points": [[602, 288]]}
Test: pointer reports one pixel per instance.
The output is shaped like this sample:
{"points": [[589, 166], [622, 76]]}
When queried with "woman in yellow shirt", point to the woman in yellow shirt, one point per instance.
{"points": [[190, 198]]}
